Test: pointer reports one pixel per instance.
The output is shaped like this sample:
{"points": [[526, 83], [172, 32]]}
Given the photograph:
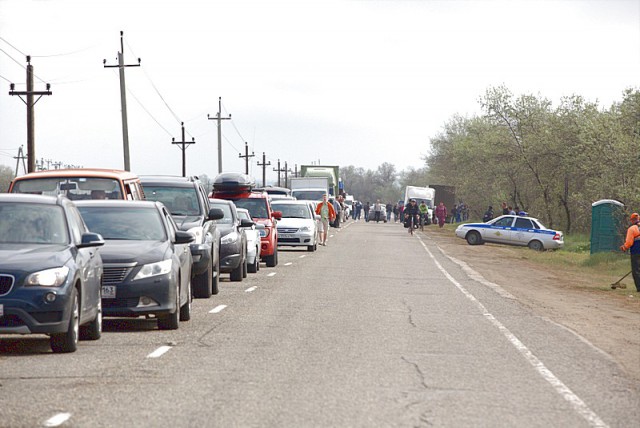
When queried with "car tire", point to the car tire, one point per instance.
{"points": [[536, 245], [68, 341], [312, 247], [245, 268], [473, 238], [236, 274], [93, 330], [185, 310], [216, 278], [202, 284], [253, 267], [272, 260], [171, 321]]}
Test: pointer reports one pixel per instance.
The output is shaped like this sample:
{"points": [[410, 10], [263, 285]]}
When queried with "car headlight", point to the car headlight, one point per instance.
{"points": [[154, 269], [229, 238], [48, 278], [264, 233], [197, 232], [304, 229]]}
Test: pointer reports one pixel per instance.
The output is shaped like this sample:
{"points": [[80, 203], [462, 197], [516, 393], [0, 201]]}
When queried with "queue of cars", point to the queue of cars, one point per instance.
{"points": [[163, 241]]}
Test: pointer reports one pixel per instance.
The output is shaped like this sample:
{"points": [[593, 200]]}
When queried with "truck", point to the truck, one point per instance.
{"points": [[330, 172], [309, 188], [444, 194], [420, 194]]}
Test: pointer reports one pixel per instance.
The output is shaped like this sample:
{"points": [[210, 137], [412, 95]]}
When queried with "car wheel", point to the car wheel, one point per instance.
{"points": [[171, 321], [93, 330], [245, 268], [272, 260], [236, 274], [253, 267], [68, 341], [185, 310], [536, 245], [216, 277], [474, 238], [311, 247], [202, 284]]}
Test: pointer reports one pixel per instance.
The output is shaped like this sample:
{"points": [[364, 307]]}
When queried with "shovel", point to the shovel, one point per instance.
{"points": [[617, 283]]}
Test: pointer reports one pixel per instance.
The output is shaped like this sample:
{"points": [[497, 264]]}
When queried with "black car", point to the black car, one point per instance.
{"points": [[188, 203], [50, 271], [147, 262], [233, 241]]}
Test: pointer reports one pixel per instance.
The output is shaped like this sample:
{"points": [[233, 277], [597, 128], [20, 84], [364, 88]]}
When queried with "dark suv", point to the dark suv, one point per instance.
{"points": [[187, 201], [233, 244]]}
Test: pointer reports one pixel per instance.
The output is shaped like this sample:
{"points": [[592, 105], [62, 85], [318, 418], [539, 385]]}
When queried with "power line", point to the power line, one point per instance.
{"points": [[19, 51]]}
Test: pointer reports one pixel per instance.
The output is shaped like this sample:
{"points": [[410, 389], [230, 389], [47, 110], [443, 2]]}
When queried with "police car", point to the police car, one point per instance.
{"points": [[513, 230]]}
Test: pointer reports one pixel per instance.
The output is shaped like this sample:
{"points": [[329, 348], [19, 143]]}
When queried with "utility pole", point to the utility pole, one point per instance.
{"points": [[295, 169], [123, 99], [246, 157], [286, 170], [219, 118], [264, 166], [184, 148], [30, 93], [279, 171], [20, 157]]}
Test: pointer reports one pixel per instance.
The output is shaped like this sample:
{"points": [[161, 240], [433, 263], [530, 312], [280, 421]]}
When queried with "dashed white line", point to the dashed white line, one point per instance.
{"points": [[159, 352], [288, 264], [565, 392], [250, 289], [272, 274], [57, 420], [303, 256], [217, 309]]}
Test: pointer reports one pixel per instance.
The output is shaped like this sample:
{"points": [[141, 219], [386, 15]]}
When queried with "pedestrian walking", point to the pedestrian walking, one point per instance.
{"points": [[395, 213], [389, 207], [454, 212], [377, 210], [441, 214], [632, 243], [327, 214], [488, 214], [358, 210], [367, 206]]}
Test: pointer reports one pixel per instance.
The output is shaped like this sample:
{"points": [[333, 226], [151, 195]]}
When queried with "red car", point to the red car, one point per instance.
{"points": [[239, 189]]}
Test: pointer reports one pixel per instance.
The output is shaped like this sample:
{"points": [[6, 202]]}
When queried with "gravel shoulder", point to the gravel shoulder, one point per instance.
{"points": [[581, 301]]}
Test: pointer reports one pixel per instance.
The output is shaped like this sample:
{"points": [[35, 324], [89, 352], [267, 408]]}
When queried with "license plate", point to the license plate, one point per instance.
{"points": [[286, 235], [108, 291], [1, 310]]}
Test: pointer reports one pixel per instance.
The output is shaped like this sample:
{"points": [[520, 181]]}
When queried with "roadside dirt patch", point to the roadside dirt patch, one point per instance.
{"points": [[582, 302]]}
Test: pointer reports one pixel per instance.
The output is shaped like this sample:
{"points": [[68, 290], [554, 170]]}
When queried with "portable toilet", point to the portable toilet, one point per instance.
{"points": [[606, 218]]}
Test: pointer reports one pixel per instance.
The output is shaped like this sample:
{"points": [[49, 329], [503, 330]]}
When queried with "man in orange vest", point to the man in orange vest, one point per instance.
{"points": [[632, 243], [327, 214]]}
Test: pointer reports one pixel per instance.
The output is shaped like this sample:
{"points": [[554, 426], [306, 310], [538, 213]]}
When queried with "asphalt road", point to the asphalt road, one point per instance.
{"points": [[376, 329]]}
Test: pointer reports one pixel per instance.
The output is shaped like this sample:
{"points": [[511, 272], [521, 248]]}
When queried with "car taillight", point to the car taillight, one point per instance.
{"points": [[557, 237]]}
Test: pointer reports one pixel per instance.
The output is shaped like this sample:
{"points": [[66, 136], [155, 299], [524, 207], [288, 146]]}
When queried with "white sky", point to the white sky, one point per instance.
{"points": [[344, 82]]}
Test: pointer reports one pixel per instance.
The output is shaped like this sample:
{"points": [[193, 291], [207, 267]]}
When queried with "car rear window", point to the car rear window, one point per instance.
{"points": [[26, 223], [123, 223], [76, 188], [180, 201], [257, 207]]}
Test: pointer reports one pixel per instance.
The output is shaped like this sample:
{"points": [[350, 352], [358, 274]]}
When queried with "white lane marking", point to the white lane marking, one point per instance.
{"points": [[159, 352], [217, 309], [57, 420], [288, 264], [272, 274], [303, 256], [250, 289], [565, 392], [330, 236]]}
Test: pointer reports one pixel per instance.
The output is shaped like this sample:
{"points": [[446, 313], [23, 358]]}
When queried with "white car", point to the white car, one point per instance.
{"points": [[513, 230], [298, 226], [253, 241]]}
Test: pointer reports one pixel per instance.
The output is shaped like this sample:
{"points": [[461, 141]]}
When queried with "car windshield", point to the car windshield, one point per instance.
{"points": [[75, 188], [226, 209], [257, 207], [292, 210], [308, 195], [124, 223], [24, 223], [181, 201]]}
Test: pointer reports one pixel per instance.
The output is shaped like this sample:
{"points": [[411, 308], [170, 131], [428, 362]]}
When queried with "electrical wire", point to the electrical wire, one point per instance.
{"points": [[19, 51], [147, 111]]}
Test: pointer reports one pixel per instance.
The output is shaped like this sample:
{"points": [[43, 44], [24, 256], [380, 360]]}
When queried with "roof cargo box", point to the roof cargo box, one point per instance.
{"points": [[233, 182]]}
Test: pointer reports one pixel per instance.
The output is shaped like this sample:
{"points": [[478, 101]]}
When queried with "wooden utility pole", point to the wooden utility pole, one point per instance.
{"points": [[123, 99], [264, 166], [286, 171], [246, 157], [30, 93], [279, 171], [219, 118], [184, 149]]}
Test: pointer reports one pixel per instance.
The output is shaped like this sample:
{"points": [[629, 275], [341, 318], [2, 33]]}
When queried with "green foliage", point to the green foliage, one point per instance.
{"points": [[6, 175]]}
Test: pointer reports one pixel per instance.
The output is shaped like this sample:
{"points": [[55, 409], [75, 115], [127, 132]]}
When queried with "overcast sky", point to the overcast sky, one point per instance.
{"points": [[341, 82]]}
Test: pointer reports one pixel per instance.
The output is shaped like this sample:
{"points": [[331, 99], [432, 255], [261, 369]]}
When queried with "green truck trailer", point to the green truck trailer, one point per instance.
{"points": [[331, 172]]}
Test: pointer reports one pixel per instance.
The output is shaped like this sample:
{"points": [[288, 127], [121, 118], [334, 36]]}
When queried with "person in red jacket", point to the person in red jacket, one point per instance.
{"points": [[327, 214], [632, 243]]}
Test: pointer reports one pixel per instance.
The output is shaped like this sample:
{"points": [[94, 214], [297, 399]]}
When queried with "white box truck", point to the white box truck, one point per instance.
{"points": [[309, 188], [426, 194]]}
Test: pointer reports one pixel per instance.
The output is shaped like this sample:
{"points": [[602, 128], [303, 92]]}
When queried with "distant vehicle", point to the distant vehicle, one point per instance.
{"points": [[513, 230], [233, 241], [330, 172], [188, 203], [80, 184], [298, 225], [147, 262], [238, 188], [253, 241], [274, 190], [50, 271], [383, 214], [420, 194], [309, 188]]}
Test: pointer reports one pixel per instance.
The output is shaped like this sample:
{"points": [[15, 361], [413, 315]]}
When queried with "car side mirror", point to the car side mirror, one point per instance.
{"points": [[277, 215], [184, 237], [246, 223], [90, 239], [215, 214]]}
